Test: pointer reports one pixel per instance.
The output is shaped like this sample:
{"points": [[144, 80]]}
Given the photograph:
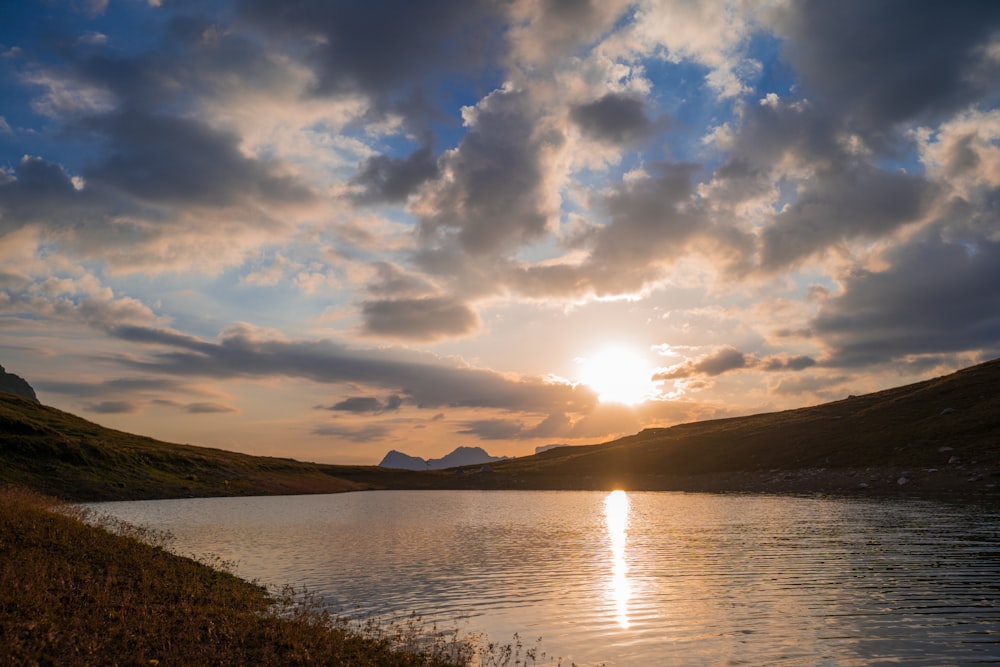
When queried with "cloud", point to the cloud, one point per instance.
{"points": [[112, 407], [823, 386], [934, 296], [365, 433], [205, 408], [542, 32], [41, 192], [492, 194], [715, 363], [848, 55], [421, 379], [781, 363], [392, 281], [390, 50], [171, 160], [492, 429], [368, 404], [713, 33], [384, 179], [128, 385], [727, 358], [848, 203], [419, 319], [556, 424], [614, 117]]}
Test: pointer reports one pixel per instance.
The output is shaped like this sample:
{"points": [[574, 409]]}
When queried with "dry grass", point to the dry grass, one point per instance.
{"points": [[76, 594]]}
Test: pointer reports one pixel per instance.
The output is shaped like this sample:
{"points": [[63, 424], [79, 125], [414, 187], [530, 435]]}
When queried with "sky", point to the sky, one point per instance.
{"points": [[325, 230]]}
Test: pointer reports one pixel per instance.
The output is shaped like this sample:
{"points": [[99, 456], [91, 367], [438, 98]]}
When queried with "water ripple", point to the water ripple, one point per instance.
{"points": [[637, 579]]}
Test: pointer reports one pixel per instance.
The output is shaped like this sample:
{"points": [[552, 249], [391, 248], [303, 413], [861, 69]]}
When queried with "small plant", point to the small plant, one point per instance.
{"points": [[72, 593]]}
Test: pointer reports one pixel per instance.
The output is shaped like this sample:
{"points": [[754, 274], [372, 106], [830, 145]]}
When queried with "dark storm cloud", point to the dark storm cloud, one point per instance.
{"points": [[419, 379], [163, 159], [368, 404], [936, 296], [391, 180], [614, 118], [427, 318], [880, 63], [491, 197], [382, 48], [846, 203]]}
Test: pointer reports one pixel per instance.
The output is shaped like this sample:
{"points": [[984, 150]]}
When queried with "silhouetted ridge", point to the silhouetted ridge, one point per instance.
{"points": [[17, 385]]}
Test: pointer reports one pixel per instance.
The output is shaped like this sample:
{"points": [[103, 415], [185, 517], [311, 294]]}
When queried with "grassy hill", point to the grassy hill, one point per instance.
{"points": [[62, 455], [936, 436], [941, 433]]}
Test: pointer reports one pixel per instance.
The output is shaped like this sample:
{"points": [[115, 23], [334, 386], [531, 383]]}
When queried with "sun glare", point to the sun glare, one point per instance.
{"points": [[618, 375]]}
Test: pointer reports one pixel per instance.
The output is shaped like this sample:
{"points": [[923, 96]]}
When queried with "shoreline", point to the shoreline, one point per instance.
{"points": [[72, 593]]}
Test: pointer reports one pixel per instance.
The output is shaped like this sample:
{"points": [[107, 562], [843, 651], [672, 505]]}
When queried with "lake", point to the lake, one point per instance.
{"points": [[629, 579]]}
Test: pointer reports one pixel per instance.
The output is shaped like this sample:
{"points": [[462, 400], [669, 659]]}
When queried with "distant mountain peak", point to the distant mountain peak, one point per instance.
{"points": [[397, 459], [17, 385], [460, 456]]}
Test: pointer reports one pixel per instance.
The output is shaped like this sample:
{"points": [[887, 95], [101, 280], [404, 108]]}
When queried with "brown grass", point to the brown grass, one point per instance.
{"points": [[76, 594]]}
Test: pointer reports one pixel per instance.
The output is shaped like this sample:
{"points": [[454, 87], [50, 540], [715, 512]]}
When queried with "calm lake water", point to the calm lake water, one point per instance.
{"points": [[636, 579]]}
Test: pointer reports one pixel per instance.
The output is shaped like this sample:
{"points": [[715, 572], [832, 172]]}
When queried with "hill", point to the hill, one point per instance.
{"points": [[62, 455], [940, 435]]}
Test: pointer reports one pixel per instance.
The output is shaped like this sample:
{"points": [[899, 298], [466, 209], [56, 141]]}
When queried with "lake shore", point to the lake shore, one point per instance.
{"points": [[75, 594], [954, 483]]}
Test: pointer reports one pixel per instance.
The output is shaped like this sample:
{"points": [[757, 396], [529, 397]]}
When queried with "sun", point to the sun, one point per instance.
{"points": [[618, 374]]}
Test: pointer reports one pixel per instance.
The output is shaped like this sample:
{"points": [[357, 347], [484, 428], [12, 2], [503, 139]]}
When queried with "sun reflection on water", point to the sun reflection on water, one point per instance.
{"points": [[616, 508]]}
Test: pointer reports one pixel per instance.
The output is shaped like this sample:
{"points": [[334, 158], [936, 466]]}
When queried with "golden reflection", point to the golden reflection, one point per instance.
{"points": [[616, 508]]}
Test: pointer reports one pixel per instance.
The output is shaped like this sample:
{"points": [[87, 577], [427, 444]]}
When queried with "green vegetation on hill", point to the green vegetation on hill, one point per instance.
{"points": [[59, 454]]}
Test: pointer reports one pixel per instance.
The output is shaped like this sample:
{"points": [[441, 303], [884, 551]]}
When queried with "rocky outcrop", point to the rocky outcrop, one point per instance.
{"points": [[17, 385]]}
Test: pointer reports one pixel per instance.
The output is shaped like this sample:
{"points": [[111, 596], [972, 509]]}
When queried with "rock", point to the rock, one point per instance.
{"points": [[903, 480], [942, 450], [953, 460], [947, 411], [17, 385]]}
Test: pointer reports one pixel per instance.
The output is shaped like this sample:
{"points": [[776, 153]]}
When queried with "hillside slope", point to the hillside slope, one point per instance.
{"points": [[57, 453], [948, 426], [940, 436]]}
